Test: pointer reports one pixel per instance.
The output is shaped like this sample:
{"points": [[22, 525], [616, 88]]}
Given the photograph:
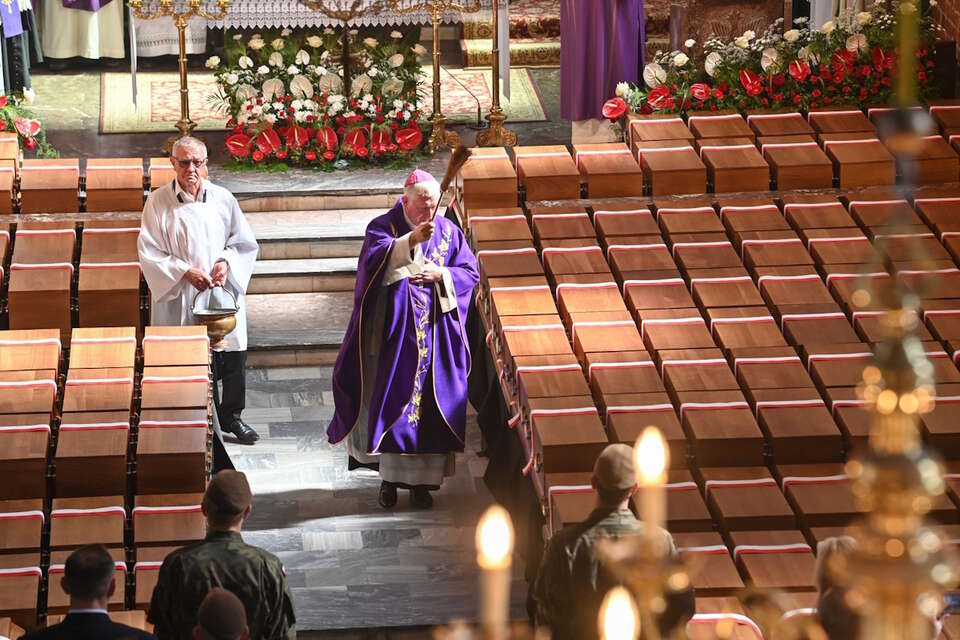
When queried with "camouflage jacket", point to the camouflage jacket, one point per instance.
{"points": [[571, 583], [223, 559]]}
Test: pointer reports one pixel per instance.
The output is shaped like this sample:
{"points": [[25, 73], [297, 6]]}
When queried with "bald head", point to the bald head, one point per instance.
{"points": [[221, 616]]}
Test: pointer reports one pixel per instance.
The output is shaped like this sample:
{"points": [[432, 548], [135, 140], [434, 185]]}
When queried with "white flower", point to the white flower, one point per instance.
{"points": [[711, 62], [293, 69], [680, 59], [212, 62], [863, 18], [245, 92], [372, 72], [297, 104], [370, 42], [392, 86], [749, 34], [277, 44], [29, 95], [361, 84], [328, 31], [263, 70], [354, 32], [857, 43], [272, 87], [232, 78], [396, 34], [315, 41], [395, 60], [792, 35], [406, 115], [769, 58], [245, 62], [300, 87], [689, 43], [320, 71], [286, 31], [277, 106], [238, 36], [270, 118], [742, 42], [256, 44], [331, 83], [622, 89], [654, 75], [419, 49], [324, 55], [275, 59], [828, 27], [302, 57]]}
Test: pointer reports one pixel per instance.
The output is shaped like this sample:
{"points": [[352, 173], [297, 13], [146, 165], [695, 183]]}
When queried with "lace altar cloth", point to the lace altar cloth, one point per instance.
{"points": [[290, 13]]}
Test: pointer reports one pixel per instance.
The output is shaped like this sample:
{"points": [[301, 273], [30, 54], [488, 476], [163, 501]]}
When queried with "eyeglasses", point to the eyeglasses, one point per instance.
{"points": [[185, 164]]}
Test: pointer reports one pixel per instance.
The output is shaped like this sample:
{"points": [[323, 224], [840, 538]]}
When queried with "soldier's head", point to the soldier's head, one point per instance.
{"points": [[88, 577], [189, 157], [421, 191], [614, 478], [227, 501], [221, 616]]}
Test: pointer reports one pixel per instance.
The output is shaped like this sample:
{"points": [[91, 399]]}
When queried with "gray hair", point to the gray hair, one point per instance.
{"points": [[420, 188], [190, 143]]}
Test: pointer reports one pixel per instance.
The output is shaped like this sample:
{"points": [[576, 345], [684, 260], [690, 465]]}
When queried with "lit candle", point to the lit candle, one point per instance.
{"points": [[494, 554], [619, 618], [650, 456]]}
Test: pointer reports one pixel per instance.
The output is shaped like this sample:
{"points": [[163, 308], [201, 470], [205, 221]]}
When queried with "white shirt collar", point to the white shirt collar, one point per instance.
{"points": [[103, 611], [183, 196]]}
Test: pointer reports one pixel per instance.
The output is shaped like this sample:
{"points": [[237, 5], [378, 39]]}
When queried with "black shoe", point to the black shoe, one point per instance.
{"points": [[420, 498], [388, 495], [244, 432]]}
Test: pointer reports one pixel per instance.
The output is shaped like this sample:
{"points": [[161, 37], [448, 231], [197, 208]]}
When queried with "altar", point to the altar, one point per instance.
{"points": [[256, 14]]}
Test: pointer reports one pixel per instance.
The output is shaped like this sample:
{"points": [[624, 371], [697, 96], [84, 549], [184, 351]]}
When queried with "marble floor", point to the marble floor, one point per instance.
{"points": [[356, 571]]}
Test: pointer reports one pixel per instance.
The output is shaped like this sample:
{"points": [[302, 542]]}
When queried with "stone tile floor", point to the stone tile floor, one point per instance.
{"points": [[351, 565]]}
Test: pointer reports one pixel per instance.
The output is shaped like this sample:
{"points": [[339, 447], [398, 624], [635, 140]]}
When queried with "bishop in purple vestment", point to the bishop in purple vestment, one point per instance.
{"points": [[602, 45], [400, 380]]}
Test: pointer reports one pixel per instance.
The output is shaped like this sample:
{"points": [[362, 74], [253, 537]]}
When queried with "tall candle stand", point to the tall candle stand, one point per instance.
{"points": [[497, 135], [440, 136], [194, 9]]}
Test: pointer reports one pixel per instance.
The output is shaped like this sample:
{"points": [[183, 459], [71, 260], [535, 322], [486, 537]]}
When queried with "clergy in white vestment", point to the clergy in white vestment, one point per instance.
{"points": [[194, 237], [83, 29]]}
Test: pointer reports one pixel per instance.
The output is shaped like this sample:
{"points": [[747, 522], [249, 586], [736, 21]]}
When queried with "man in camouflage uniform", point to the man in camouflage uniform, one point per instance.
{"points": [[223, 560], [571, 583]]}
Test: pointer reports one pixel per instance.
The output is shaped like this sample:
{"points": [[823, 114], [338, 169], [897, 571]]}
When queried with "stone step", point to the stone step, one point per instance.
{"points": [[289, 329], [311, 275], [289, 242]]}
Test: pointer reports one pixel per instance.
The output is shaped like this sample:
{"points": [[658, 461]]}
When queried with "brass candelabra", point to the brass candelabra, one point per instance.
{"points": [[345, 11], [440, 136], [194, 9], [497, 135]]}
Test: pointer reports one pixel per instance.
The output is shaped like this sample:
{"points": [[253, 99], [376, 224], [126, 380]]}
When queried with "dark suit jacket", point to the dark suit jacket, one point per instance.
{"points": [[89, 626]]}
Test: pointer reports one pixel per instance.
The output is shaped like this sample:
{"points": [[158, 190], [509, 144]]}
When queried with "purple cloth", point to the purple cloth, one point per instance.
{"points": [[419, 399], [602, 41], [11, 19], [85, 5]]}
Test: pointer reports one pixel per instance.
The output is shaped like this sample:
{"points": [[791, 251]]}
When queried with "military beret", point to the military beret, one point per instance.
{"points": [[221, 615], [228, 493], [614, 470]]}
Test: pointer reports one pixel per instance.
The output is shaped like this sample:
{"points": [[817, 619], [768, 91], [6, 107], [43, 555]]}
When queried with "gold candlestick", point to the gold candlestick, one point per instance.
{"points": [[180, 18], [440, 137], [497, 135]]}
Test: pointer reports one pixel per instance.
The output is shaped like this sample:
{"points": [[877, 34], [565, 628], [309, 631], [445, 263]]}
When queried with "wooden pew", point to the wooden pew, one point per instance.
{"points": [[114, 184], [50, 186]]}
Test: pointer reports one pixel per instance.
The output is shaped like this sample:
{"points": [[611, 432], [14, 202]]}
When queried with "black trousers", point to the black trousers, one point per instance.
{"points": [[231, 371]]}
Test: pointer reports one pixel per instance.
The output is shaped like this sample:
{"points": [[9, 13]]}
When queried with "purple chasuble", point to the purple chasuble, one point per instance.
{"points": [[85, 5], [419, 396], [601, 42]]}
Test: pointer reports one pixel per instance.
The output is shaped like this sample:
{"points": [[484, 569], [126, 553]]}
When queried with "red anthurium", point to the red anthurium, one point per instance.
{"points": [[361, 152], [882, 60], [700, 91], [257, 156], [799, 70], [297, 136], [356, 138], [660, 99], [329, 155], [30, 144], [239, 145], [268, 141], [409, 138], [751, 82], [27, 127], [327, 137], [3, 101], [379, 139], [614, 108]]}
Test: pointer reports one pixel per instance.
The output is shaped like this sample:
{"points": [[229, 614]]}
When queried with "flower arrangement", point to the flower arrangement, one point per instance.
{"points": [[17, 118], [848, 61], [287, 104]]}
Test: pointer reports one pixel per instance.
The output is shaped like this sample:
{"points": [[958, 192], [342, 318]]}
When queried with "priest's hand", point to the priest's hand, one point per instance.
{"points": [[219, 274], [422, 233], [431, 273], [200, 280]]}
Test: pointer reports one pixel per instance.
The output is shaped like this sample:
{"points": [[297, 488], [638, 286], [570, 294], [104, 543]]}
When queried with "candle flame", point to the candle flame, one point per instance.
{"points": [[650, 456], [619, 619], [494, 538]]}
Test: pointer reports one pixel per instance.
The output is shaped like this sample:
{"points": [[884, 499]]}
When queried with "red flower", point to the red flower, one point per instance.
{"points": [[27, 127], [310, 156], [30, 143], [257, 156], [796, 99], [3, 101], [281, 155], [751, 82], [409, 138], [815, 93], [799, 70], [882, 61], [779, 80], [329, 155], [239, 145], [614, 108], [268, 141], [660, 98], [356, 138], [921, 76], [3, 125], [379, 140], [362, 152], [718, 93], [327, 137], [700, 91]]}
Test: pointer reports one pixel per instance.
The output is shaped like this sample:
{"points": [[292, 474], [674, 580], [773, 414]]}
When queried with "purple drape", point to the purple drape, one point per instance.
{"points": [[602, 41], [423, 349]]}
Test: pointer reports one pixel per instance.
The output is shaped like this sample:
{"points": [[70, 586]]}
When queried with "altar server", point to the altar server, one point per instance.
{"points": [[83, 28], [193, 236], [400, 381]]}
